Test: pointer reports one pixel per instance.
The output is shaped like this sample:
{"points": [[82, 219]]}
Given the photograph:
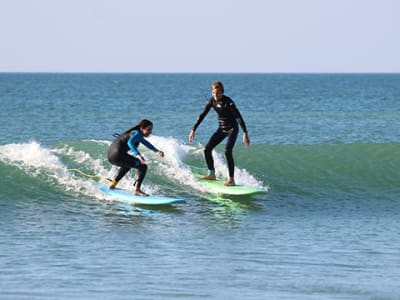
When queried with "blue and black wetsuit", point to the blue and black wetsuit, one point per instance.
{"points": [[228, 119], [118, 154]]}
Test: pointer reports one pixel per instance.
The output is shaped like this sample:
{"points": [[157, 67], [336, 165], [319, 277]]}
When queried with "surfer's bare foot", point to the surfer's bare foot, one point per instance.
{"points": [[230, 182], [140, 193], [113, 184], [209, 177]]}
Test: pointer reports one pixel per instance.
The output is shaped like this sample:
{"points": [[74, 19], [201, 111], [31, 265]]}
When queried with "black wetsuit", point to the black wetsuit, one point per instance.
{"points": [[118, 154], [228, 119]]}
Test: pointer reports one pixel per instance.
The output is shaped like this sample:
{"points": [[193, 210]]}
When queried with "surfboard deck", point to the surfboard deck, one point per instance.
{"points": [[217, 186], [130, 198]]}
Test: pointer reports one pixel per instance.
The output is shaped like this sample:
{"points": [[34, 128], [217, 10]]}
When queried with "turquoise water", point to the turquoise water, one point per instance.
{"points": [[325, 145]]}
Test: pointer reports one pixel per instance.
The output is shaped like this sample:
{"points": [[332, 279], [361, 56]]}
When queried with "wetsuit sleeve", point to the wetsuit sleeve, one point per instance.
{"points": [[149, 145], [203, 114], [131, 142], [238, 116], [137, 138]]}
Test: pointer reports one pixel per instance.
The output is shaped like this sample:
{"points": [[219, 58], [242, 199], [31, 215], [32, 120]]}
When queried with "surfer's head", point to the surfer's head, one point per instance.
{"points": [[217, 90], [145, 127]]}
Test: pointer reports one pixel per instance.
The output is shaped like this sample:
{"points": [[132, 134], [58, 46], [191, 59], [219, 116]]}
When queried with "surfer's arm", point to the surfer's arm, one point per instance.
{"points": [[238, 116], [202, 115], [241, 122], [149, 145], [131, 142]]}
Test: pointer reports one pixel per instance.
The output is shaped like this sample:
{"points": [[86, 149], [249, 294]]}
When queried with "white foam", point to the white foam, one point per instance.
{"points": [[29, 155], [97, 167], [176, 152], [171, 165], [37, 160]]}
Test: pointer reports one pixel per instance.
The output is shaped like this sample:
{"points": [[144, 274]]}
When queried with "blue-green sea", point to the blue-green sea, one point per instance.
{"points": [[325, 146]]}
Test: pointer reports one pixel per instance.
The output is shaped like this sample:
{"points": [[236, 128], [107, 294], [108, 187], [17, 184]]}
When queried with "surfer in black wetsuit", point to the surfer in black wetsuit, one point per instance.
{"points": [[129, 141], [228, 118]]}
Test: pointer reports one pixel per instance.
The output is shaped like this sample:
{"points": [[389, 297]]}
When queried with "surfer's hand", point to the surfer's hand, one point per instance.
{"points": [[246, 139], [142, 160], [160, 154], [191, 136]]}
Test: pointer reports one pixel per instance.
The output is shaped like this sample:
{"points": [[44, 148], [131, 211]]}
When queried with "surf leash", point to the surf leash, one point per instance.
{"points": [[89, 175]]}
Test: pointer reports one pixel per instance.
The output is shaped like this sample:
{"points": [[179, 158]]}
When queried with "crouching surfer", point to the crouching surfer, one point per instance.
{"points": [[129, 141]]}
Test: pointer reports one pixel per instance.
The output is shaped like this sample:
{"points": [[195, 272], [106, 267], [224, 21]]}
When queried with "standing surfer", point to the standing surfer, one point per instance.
{"points": [[228, 118]]}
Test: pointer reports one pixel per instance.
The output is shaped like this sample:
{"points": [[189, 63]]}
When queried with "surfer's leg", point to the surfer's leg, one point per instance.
{"points": [[121, 173], [215, 139], [229, 156], [125, 162], [141, 173]]}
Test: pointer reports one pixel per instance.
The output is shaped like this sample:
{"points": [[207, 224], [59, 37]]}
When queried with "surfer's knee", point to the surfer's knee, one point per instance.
{"points": [[142, 167], [207, 149], [228, 151]]}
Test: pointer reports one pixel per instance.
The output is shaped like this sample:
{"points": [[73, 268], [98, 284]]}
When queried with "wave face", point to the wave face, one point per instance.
{"points": [[75, 167], [303, 170], [349, 169]]}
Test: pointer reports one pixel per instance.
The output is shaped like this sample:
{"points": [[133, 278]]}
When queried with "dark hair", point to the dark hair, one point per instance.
{"points": [[217, 85], [142, 124]]}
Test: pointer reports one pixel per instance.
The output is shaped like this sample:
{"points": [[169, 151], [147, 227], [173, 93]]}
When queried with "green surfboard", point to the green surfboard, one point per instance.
{"points": [[218, 187]]}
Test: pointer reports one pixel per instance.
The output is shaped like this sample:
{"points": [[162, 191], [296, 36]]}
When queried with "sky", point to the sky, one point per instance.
{"points": [[260, 36]]}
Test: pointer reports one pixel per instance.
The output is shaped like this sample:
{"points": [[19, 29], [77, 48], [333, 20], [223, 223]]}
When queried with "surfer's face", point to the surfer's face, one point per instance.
{"points": [[146, 131], [217, 94]]}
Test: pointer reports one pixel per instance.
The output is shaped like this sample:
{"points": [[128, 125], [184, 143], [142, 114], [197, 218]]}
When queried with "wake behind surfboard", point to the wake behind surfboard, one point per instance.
{"points": [[130, 198]]}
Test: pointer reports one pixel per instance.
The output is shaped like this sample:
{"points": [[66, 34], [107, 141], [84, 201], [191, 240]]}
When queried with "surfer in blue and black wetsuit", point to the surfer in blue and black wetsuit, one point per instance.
{"points": [[228, 118], [129, 141]]}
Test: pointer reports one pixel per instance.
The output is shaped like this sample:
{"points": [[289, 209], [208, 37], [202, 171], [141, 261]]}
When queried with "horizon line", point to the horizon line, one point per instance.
{"points": [[194, 72]]}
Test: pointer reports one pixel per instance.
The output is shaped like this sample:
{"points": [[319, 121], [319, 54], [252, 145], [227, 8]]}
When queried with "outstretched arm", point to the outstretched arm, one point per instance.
{"points": [[149, 145]]}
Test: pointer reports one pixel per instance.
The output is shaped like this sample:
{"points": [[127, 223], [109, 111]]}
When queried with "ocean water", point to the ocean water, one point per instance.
{"points": [[326, 146]]}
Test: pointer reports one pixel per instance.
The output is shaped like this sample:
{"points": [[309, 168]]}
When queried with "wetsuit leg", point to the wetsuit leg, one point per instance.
{"points": [[232, 136], [215, 139], [142, 169], [121, 173], [125, 162]]}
